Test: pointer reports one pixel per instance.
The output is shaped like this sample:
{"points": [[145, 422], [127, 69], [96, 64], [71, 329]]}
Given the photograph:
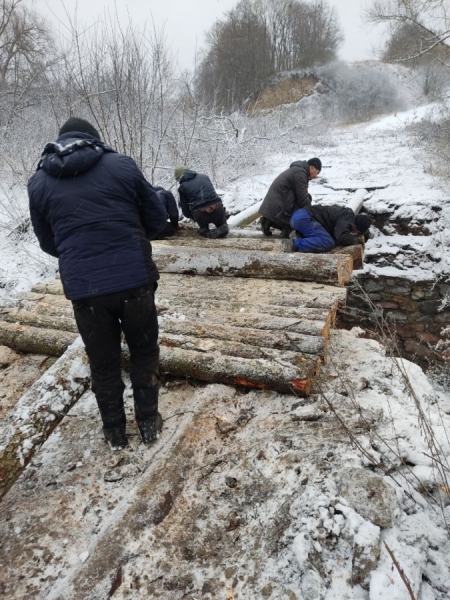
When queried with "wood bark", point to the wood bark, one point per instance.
{"points": [[43, 321], [229, 370], [208, 319], [59, 317], [261, 243], [254, 291], [236, 349], [263, 265], [38, 412], [24, 338]]}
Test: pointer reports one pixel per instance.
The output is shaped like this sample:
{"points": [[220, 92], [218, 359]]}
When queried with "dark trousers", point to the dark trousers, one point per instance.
{"points": [[100, 321], [217, 217], [266, 225], [168, 231]]}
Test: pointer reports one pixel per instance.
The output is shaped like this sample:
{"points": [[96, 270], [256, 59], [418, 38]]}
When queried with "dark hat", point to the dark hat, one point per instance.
{"points": [[363, 223], [316, 163], [80, 125]]}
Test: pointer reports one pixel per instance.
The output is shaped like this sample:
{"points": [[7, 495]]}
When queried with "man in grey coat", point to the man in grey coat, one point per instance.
{"points": [[288, 193]]}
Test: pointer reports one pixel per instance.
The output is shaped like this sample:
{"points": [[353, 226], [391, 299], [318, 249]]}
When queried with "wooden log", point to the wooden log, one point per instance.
{"points": [[255, 373], [38, 412], [165, 304], [304, 344], [43, 321], [270, 291], [239, 263], [236, 349], [356, 252], [281, 340], [261, 243], [208, 319], [24, 338]]}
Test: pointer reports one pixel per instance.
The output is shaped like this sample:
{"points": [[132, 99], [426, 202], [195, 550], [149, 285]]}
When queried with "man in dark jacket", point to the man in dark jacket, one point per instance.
{"points": [[288, 193], [323, 227], [170, 204], [199, 201], [93, 209]]}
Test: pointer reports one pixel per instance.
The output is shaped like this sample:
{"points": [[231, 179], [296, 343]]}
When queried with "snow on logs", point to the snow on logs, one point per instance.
{"points": [[260, 244], [326, 268], [38, 412]]}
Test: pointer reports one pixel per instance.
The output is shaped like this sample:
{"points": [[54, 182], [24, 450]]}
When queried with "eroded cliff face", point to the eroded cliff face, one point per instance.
{"points": [[245, 495]]}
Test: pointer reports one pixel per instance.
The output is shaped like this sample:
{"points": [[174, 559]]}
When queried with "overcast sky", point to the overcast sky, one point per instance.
{"points": [[186, 21]]}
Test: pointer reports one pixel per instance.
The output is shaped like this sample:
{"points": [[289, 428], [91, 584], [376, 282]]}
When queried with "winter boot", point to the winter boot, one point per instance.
{"points": [[222, 231], [288, 245], [148, 418], [116, 438], [150, 428], [265, 226], [204, 231]]}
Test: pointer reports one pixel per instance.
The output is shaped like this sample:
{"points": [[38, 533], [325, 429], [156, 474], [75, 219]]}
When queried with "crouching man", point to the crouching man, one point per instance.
{"points": [[93, 209], [199, 201], [167, 199], [321, 228]]}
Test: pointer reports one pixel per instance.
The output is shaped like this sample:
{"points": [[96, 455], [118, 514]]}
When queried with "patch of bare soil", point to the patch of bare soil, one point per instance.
{"points": [[17, 373], [286, 91]]}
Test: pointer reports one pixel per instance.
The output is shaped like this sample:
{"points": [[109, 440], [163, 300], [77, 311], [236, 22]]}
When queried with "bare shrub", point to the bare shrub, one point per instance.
{"points": [[359, 92]]}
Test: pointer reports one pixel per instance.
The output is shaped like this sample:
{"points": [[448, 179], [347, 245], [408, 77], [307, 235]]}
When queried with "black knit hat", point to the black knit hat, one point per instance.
{"points": [[363, 223], [316, 163], [80, 125]]}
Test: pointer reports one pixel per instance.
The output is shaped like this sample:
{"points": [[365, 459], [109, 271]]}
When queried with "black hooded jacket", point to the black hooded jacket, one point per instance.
{"points": [[93, 209], [196, 190], [288, 193], [337, 220]]}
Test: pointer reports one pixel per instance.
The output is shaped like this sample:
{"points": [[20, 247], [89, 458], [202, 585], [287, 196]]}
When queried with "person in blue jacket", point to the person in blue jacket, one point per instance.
{"points": [[199, 201], [320, 228], [93, 209], [170, 204]]}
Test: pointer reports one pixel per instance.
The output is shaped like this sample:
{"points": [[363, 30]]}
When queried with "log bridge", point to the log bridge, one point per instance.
{"points": [[237, 311]]}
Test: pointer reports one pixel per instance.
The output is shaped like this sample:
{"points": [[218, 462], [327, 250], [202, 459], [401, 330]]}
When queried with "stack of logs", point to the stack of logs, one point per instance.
{"points": [[227, 313]]}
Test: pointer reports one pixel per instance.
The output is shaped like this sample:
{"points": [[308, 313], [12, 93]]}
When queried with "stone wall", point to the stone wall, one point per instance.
{"points": [[415, 312]]}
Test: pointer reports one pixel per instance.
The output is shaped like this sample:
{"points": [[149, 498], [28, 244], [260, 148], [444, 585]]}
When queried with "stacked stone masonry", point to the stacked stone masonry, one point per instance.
{"points": [[415, 311]]}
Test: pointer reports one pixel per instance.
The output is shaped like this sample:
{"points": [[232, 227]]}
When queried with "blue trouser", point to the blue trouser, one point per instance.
{"points": [[314, 237]]}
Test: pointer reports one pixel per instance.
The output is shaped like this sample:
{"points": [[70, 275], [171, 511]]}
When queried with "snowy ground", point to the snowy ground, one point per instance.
{"points": [[244, 496]]}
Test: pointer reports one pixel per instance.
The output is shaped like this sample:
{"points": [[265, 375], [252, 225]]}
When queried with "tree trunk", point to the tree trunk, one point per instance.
{"points": [[260, 243], [255, 373], [24, 338], [263, 265], [252, 291], [356, 252], [236, 349], [38, 412], [209, 318]]}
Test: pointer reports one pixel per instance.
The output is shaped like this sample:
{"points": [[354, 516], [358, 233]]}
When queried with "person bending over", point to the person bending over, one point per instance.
{"points": [[288, 193], [170, 204], [93, 209], [199, 201], [321, 228]]}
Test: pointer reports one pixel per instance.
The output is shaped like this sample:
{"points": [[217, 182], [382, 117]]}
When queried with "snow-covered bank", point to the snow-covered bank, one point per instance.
{"points": [[246, 493]]}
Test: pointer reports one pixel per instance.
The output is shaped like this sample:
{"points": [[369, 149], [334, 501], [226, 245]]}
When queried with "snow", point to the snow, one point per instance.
{"points": [[373, 396]]}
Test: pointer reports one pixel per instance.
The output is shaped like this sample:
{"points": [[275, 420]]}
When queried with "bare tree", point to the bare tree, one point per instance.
{"points": [[427, 20], [25, 52]]}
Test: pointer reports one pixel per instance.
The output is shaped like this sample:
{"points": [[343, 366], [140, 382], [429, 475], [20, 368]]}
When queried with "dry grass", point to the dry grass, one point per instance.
{"points": [[286, 91]]}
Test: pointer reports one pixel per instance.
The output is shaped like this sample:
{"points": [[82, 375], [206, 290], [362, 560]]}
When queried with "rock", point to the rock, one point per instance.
{"points": [[372, 286], [7, 357], [223, 425], [84, 556], [306, 413], [370, 496], [366, 551], [430, 307]]}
